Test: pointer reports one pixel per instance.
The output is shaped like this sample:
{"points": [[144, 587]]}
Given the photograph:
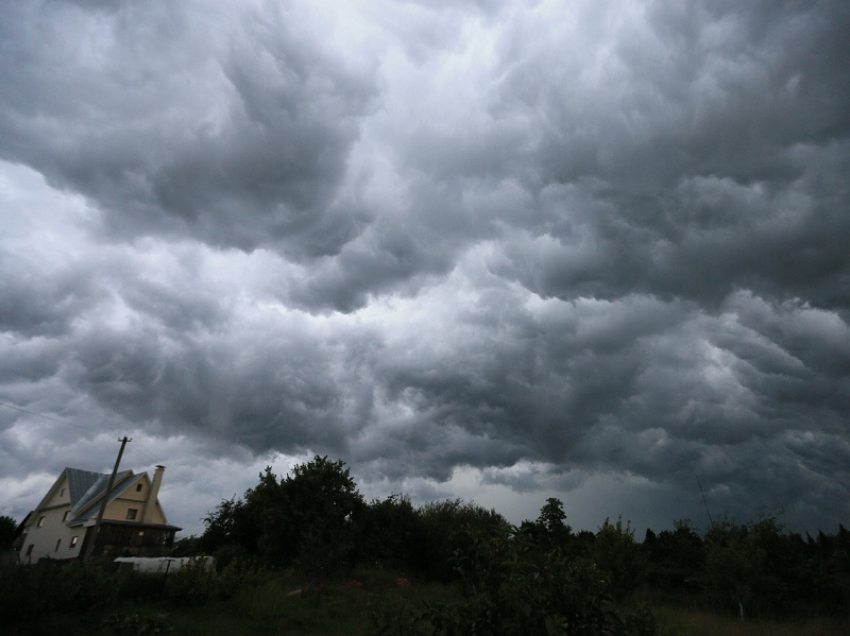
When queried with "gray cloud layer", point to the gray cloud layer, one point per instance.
{"points": [[549, 244]]}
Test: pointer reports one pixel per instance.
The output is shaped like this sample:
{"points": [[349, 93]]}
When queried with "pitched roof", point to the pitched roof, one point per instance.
{"points": [[95, 490], [79, 482], [86, 487]]}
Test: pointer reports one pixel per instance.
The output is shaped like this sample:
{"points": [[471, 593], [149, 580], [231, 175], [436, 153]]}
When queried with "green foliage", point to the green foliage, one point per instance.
{"points": [[511, 588], [139, 624], [619, 557], [743, 571], [233, 523], [325, 507], [549, 531], [552, 517], [30, 591], [8, 526], [676, 559], [197, 582], [446, 526], [139, 587], [390, 533], [264, 603], [307, 518], [188, 546]]}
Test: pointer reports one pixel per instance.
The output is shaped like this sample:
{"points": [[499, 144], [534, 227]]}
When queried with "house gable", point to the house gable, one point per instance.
{"points": [[58, 495], [59, 525]]}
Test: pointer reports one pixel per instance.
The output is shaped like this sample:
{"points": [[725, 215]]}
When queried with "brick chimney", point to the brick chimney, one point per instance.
{"points": [[150, 504]]}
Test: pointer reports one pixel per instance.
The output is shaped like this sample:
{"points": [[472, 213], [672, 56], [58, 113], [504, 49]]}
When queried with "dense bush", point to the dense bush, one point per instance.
{"points": [[30, 592], [617, 555], [446, 528], [34, 590], [510, 586], [308, 518], [390, 534]]}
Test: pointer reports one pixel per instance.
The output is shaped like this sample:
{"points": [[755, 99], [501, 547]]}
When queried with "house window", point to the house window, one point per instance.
{"points": [[62, 493], [74, 540], [58, 543], [66, 515], [138, 488], [131, 513], [29, 548], [40, 522]]}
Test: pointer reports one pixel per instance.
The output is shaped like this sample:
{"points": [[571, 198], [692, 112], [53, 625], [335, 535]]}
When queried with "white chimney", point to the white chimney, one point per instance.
{"points": [[150, 504]]}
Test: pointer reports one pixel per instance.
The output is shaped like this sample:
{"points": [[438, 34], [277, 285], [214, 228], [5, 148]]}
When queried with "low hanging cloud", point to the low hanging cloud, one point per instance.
{"points": [[483, 249]]}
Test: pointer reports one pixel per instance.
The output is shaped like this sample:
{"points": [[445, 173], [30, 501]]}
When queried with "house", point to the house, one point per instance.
{"points": [[133, 524]]}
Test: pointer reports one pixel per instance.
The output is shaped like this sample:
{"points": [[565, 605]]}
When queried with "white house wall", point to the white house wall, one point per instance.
{"points": [[52, 537]]}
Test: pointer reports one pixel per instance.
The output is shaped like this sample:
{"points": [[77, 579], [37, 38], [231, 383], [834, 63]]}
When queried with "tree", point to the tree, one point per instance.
{"points": [[306, 518], [323, 508], [616, 553], [744, 565], [552, 516], [390, 533], [676, 558], [447, 527], [231, 525]]}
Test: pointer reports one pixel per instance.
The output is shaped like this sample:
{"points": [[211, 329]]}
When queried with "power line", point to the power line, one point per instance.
{"points": [[172, 469], [710, 520], [52, 419], [136, 445]]}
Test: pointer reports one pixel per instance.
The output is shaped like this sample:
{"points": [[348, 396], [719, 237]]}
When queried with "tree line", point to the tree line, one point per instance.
{"points": [[316, 520]]}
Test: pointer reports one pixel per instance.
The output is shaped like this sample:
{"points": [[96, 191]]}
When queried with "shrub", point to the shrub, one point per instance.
{"points": [[267, 602], [33, 590], [511, 587], [138, 624]]}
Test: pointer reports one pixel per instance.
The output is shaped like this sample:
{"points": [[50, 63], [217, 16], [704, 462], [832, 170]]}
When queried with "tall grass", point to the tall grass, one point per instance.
{"points": [[675, 620]]}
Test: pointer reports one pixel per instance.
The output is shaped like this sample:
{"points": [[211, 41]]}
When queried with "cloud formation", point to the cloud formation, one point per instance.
{"points": [[486, 249]]}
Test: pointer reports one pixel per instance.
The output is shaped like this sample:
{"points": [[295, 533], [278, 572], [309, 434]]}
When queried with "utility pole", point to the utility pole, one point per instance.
{"points": [[93, 537]]}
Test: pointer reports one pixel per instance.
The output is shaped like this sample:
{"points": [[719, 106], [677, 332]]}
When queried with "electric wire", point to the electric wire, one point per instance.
{"points": [[136, 446]]}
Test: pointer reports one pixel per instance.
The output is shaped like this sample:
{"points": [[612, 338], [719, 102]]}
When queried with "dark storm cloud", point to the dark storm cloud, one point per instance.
{"points": [[173, 129], [707, 156], [601, 246], [48, 312]]}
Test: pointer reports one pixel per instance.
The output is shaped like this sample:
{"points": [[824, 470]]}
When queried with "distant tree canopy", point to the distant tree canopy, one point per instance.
{"points": [[315, 519]]}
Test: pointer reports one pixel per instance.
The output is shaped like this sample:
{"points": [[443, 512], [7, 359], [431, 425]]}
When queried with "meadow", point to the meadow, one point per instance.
{"points": [[250, 601]]}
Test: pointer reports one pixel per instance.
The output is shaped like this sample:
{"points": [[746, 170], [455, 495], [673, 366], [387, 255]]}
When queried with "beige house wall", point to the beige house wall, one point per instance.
{"points": [[134, 499]]}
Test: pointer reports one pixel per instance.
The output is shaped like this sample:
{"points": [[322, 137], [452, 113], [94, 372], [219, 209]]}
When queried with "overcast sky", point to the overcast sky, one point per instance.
{"points": [[499, 250]]}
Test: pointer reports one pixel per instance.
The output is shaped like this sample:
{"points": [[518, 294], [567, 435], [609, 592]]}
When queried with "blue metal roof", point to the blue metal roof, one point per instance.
{"points": [[79, 482], [95, 490]]}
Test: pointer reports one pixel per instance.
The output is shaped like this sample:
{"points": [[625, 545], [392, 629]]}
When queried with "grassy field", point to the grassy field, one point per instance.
{"points": [[360, 605], [692, 622], [282, 606]]}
